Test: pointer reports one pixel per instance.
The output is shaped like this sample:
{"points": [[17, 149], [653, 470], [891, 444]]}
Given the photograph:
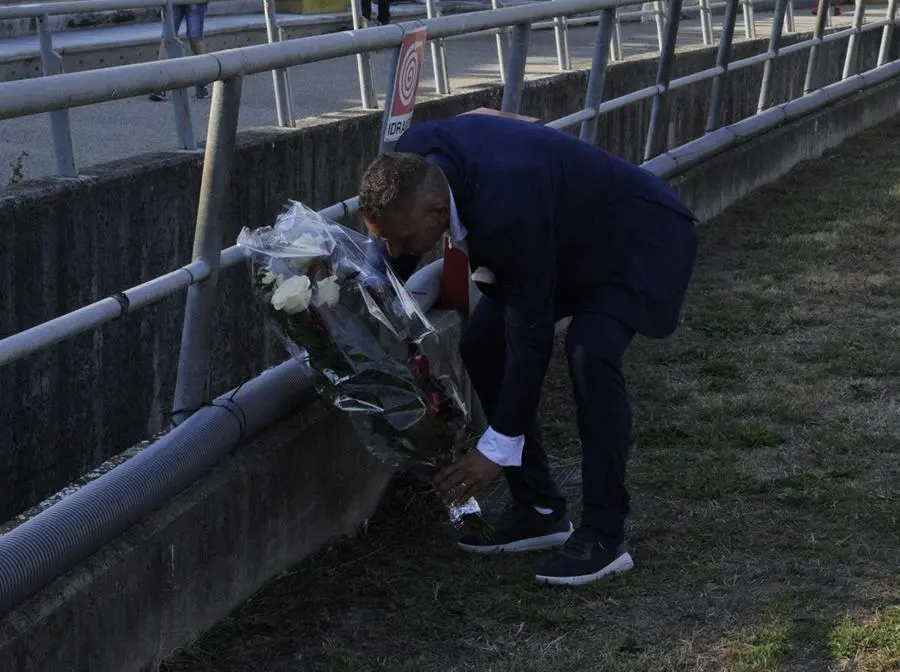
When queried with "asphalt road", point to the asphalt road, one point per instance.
{"points": [[133, 126]]}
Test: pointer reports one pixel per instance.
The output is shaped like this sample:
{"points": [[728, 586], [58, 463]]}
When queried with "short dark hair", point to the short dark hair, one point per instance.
{"points": [[394, 182]]}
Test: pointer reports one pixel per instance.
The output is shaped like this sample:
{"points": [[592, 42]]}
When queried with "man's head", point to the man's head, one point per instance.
{"points": [[405, 200]]}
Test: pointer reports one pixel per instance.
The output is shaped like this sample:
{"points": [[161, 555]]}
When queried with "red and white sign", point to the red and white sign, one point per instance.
{"points": [[406, 83]]}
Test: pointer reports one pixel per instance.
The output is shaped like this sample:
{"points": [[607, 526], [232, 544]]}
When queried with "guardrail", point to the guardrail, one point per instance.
{"points": [[51, 62], [22, 569]]}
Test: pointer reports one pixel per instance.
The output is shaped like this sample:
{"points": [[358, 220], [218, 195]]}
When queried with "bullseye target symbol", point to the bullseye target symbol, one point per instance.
{"points": [[408, 75]]}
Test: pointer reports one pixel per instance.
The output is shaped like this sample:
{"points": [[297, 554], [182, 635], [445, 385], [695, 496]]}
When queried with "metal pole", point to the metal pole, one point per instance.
{"points": [[597, 77], [709, 22], [60, 129], [752, 10], [658, 17], [438, 55], [811, 82], [616, 46], [765, 89], [279, 77], [502, 43], [191, 386], [850, 62], [515, 68], [789, 17], [287, 81], [887, 33], [746, 11], [704, 26], [384, 145], [561, 35], [723, 56], [363, 64], [181, 101], [659, 121]]}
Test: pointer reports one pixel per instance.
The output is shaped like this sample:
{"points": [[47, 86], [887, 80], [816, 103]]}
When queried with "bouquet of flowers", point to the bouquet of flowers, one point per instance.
{"points": [[337, 307]]}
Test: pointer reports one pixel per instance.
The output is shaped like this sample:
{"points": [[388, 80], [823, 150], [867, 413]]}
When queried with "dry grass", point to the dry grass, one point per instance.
{"points": [[765, 477]]}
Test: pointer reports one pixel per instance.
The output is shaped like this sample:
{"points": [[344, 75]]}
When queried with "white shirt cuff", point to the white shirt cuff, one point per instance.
{"points": [[501, 449]]}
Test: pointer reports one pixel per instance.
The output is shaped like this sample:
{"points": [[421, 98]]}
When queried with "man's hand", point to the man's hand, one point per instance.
{"points": [[466, 477]]}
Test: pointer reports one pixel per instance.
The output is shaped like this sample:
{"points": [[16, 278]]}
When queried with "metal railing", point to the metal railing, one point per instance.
{"points": [[227, 68], [58, 93], [51, 62]]}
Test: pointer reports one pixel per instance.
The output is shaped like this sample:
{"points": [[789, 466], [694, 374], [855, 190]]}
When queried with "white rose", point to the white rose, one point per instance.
{"points": [[328, 291], [293, 295]]}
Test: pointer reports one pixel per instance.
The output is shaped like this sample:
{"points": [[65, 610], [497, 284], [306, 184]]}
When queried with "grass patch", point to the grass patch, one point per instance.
{"points": [[765, 482], [873, 644], [763, 651], [749, 435]]}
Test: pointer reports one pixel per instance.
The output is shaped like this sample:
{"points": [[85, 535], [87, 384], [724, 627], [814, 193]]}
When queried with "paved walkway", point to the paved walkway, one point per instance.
{"points": [[134, 126]]}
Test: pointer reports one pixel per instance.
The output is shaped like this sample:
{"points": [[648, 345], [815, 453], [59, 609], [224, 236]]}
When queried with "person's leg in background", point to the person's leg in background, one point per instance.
{"points": [[595, 345], [384, 12], [196, 17], [537, 519], [179, 12], [365, 8]]}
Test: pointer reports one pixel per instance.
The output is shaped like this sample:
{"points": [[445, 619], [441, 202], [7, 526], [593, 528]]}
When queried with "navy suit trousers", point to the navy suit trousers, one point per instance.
{"points": [[595, 344]]}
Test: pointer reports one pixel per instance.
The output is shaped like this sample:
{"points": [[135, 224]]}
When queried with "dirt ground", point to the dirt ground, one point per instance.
{"points": [[765, 478]]}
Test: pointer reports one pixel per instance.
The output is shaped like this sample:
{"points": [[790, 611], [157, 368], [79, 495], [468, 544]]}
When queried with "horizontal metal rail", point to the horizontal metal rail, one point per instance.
{"points": [[33, 96], [803, 45], [77, 7], [692, 153]]}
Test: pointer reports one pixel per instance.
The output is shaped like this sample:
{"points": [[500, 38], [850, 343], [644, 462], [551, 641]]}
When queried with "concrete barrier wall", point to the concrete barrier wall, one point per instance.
{"points": [[65, 244]]}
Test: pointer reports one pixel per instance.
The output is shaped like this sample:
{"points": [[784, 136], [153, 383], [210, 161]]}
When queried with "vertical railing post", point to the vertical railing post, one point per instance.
{"points": [[850, 62], [60, 128], [561, 35], [705, 25], [515, 68], [615, 47], [709, 22], [723, 57], [438, 54], [502, 43], [887, 33], [765, 89], [282, 36], [659, 113], [812, 80], [279, 77], [658, 15], [181, 101], [192, 384], [597, 78], [749, 25], [363, 64], [789, 17]]}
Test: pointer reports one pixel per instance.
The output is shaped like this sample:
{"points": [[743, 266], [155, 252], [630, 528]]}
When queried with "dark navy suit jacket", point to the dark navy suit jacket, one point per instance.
{"points": [[565, 227]]}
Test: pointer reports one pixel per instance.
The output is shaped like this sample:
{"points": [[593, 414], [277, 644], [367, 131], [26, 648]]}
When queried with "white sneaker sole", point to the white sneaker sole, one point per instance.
{"points": [[543, 543], [621, 564]]}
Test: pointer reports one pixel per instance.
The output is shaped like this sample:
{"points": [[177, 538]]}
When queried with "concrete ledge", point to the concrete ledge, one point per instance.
{"points": [[716, 184], [281, 496]]}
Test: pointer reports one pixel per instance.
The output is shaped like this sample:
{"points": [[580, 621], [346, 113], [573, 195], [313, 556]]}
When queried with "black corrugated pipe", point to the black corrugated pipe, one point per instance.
{"points": [[56, 539]]}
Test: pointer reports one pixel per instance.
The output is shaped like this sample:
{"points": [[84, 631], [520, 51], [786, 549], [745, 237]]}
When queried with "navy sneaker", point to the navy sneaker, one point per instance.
{"points": [[586, 557], [520, 528]]}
